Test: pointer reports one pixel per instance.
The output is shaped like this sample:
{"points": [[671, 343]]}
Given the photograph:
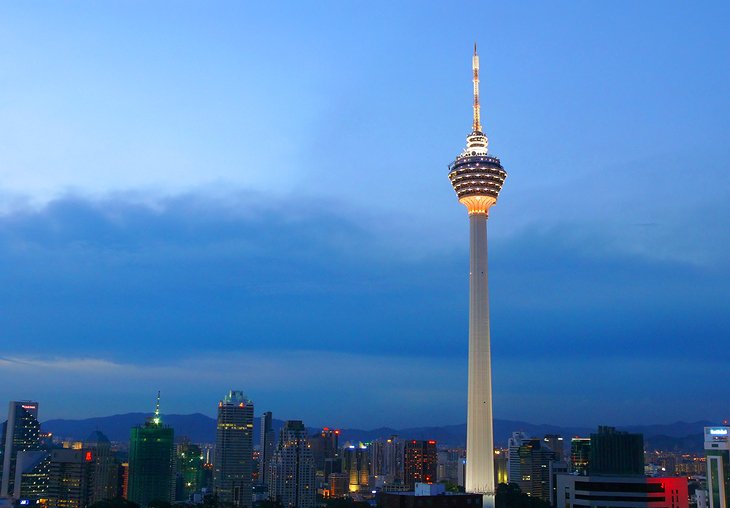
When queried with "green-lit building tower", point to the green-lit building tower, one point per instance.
{"points": [[190, 475], [717, 451], [151, 462]]}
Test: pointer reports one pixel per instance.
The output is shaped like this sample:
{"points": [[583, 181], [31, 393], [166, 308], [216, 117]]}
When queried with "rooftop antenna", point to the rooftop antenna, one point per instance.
{"points": [[477, 125], [156, 419]]}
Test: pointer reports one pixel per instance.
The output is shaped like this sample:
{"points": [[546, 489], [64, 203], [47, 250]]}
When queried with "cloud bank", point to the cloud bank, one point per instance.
{"points": [[109, 299]]}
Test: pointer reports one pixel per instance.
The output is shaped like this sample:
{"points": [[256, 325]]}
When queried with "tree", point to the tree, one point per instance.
{"points": [[114, 503], [511, 496]]}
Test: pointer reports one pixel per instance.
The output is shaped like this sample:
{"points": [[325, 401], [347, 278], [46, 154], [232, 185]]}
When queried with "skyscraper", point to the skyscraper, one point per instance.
{"points": [[70, 478], [32, 469], [292, 468], [105, 477], [234, 450], [580, 450], [555, 443], [151, 462], [717, 452], [386, 459], [325, 445], [355, 462], [529, 465], [477, 178], [266, 442], [615, 452], [21, 433], [420, 462], [189, 473]]}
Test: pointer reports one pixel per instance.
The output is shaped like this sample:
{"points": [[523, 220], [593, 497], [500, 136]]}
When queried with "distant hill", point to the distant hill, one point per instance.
{"points": [[201, 429]]}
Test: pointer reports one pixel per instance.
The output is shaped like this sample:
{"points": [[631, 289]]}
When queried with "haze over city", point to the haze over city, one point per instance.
{"points": [[203, 197]]}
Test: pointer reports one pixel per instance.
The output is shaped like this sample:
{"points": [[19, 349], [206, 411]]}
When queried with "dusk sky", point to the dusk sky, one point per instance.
{"points": [[204, 196]]}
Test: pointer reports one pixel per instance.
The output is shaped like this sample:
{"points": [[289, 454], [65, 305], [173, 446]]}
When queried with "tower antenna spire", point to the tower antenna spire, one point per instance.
{"points": [[156, 418], [477, 125]]}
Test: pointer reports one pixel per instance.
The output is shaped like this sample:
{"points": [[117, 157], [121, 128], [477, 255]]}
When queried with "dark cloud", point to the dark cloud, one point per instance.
{"points": [[140, 280]]}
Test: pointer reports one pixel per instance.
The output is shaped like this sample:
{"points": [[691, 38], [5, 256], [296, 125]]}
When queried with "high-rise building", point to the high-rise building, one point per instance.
{"points": [[448, 466], [557, 468], [477, 178], [717, 453], [580, 452], [123, 477], [292, 468], [386, 459], [70, 480], [325, 445], [356, 463], [20, 433], [501, 461], [106, 468], [267, 443], [420, 462], [151, 462], [616, 453], [529, 465], [555, 443], [32, 469], [339, 484], [234, 450], [189, 474]]}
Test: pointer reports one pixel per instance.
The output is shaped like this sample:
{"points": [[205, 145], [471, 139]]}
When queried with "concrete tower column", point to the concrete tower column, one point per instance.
{"points": [[479, 433]]}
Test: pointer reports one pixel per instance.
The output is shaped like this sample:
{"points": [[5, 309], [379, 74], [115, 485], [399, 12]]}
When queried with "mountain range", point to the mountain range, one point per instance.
{"points": [[200, 428]]}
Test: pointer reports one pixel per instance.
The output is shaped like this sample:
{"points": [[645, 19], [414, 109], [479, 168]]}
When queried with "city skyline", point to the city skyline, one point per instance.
{"points": [[235, 191]]}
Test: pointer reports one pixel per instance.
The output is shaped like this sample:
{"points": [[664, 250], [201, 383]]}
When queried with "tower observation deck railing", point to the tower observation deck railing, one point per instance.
{"points": [[472, 159]]}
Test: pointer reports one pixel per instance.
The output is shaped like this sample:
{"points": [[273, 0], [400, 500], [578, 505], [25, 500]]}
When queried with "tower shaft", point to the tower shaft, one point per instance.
{"points": [[479, 432]]}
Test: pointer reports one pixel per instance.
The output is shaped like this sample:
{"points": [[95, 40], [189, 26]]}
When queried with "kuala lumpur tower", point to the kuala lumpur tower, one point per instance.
{"points": [[477, 178]]}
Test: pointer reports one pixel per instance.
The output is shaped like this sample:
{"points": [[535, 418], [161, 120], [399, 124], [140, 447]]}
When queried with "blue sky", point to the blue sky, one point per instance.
{"points": [[196, 197]]}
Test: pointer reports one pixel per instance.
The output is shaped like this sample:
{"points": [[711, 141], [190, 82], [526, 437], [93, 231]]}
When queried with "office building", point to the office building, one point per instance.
{"points": [[267, 443], [105, 479], [529, 465], [70, 479], [234, 450], [325, 445], [420, 462], [20, 433], [717, 453], [32, 470], [580, 451], [477, 178], [616, 453], [556, 444], [292, 468], [151, 462], [386, 459], [447, 469], [501, 463], [621, 492], [189, 474], [356, 464], [557, 468], [339, 484]]}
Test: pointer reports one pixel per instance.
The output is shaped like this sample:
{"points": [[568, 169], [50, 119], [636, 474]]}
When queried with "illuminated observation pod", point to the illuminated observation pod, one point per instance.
{"points": [[475, 175]]}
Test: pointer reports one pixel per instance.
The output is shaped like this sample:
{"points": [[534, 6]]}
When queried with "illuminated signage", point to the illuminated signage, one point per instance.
{"points": [[718, 432]]}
